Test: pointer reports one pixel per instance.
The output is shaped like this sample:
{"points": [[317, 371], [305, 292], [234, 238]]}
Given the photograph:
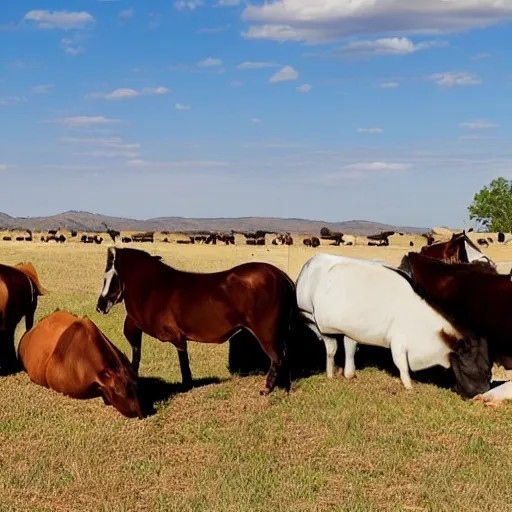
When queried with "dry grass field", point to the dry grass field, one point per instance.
{"points": [[365, 445]]}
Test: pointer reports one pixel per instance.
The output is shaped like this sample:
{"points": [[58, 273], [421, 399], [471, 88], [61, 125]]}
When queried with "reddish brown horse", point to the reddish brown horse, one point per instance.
{"points": [[72, 356], [19, 292], [177, 306], [459, 249]]}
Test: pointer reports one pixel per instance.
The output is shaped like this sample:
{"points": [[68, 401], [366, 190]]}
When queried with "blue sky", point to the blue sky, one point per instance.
{"points": [[388, 110]]}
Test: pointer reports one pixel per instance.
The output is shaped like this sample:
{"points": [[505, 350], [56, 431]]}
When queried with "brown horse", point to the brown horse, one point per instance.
{"points": [[72, 356], [19, 292], [176, 306], [459, 249]]}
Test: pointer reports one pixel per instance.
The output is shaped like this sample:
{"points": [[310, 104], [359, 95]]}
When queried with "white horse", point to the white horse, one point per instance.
{"points": [[374, 303]]}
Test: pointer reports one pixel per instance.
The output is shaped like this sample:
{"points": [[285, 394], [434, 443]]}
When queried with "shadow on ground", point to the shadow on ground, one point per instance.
{"points": [[153, 390], [308, 357]]}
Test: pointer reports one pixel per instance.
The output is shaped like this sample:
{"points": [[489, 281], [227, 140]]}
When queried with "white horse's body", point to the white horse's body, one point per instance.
{"points": [[370, 302]]}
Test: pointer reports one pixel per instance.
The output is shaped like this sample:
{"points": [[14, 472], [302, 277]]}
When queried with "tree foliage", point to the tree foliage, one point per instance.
{"points": [[492, 206]]}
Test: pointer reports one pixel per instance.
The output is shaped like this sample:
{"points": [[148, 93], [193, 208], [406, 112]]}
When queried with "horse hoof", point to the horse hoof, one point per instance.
{"points": [[265, 392]]}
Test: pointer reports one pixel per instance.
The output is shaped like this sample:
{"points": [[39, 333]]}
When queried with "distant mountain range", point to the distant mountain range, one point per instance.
{"points": [[91, 222]]}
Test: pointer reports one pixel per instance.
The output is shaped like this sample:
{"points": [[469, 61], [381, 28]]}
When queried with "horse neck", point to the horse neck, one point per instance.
{"points": [[135, 270]]}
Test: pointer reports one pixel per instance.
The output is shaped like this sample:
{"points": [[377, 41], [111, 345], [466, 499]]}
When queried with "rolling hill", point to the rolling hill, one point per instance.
{"points": [[85, 221]]}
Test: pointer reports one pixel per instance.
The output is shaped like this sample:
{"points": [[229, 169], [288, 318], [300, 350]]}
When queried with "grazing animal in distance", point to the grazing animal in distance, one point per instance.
{"points": [[307, 242], [315, 242], [72, 356], [176, 306], [374, 303], [19, 292]]}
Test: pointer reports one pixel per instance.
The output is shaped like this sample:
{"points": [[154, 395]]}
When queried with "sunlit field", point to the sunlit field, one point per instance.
{"points": [[363, 445]]}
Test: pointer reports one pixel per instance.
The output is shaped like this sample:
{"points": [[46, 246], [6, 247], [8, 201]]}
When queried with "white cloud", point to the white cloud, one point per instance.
{"points": [[370, 130], [330, 20], [480, 56], [63, 20], [42, 89], [183, 5], [378, 166], [386, 46], [177, 163], [237, 83], [248, 64], [478, 125], [284, 74], [455, 78], [390, 85], [4, 167], [107, 142], [181, 106], [227, 3], [126, 13], [11, 100], [256, 120], [304, 88], [68, 46], [209, 62], [123, 93], [112, 154], [86, 121]]}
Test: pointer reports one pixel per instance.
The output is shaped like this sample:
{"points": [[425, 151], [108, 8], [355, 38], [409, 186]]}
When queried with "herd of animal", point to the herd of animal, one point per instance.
{"points": [[208, 238], [443, 306]]}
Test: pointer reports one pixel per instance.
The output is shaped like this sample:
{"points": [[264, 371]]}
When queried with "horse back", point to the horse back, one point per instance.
{"points": [[37, 346]]}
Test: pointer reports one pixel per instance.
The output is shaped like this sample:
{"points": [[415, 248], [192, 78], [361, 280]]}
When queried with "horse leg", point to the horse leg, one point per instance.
{"points": [[400, 359], [29, 319], [331, 347], [8, 359], [350, 354], [134, 336], [186, 374]]}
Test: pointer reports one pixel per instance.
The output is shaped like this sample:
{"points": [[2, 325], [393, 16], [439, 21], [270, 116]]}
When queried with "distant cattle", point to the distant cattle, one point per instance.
{"points": [[73, 234], [381, 238], [284, 239], [411, 243], [148, 236], [52, 231], [483, 242], [87, 239], [501, 237], [7, 238], [327, 234], [20, 238], [311, 242], [257, 241], [183, 242], [126, 239]]}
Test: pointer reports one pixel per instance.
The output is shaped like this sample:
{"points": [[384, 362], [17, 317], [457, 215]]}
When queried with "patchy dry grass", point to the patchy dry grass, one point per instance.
{"points": [[366, 445]]}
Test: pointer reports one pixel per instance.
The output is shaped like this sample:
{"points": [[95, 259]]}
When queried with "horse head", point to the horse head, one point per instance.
{"points": [[113, 288]]}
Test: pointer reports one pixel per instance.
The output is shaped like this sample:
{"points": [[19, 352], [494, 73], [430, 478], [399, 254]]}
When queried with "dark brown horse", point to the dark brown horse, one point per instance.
{"points": [[459, 249], [72, 356], [176, 306], [19, 292]]}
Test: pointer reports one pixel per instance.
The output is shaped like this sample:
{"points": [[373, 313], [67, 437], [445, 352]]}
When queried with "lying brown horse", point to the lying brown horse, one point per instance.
{"points": [[72, 356], [176, 306], [459, 249], [19, 292]]}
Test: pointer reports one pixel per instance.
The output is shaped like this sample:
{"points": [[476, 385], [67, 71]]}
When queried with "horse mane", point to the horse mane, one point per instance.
{"points": [[421, 292], [29, 270], [475, 266]]}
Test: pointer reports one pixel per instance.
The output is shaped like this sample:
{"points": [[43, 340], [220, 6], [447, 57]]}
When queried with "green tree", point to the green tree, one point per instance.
{"points": [[492, 206]]}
